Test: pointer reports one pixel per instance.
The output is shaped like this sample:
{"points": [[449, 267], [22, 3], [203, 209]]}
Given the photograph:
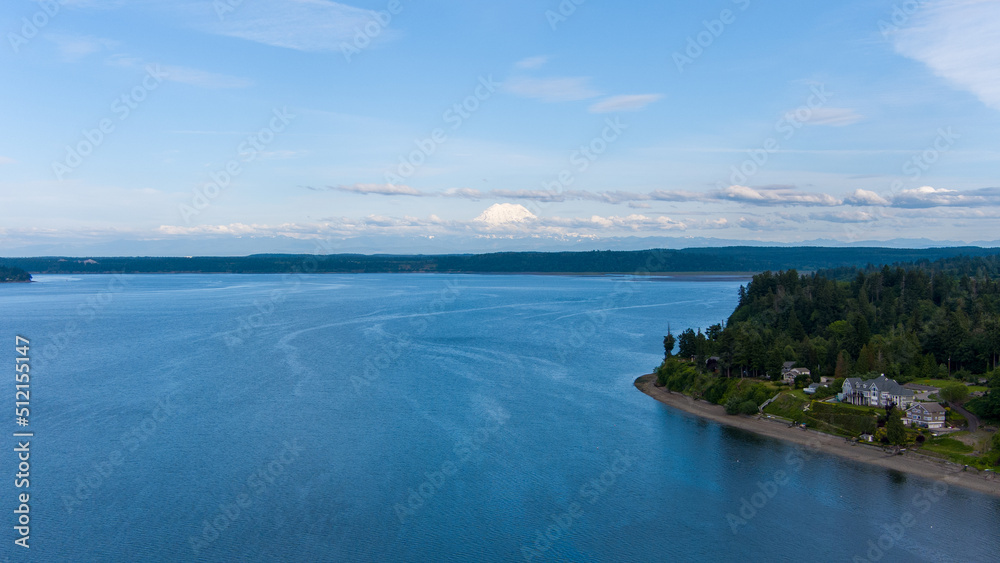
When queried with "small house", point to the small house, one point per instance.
{"points": [[926, 415], [790, 375], [712, 364]]}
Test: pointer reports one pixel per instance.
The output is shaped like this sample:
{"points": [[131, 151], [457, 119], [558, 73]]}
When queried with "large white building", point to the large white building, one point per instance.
{"points": [[878, 392]]}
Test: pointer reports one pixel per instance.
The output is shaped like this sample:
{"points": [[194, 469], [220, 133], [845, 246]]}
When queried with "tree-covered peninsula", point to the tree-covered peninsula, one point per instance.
{"points": [[13, 275], [794, 339]]}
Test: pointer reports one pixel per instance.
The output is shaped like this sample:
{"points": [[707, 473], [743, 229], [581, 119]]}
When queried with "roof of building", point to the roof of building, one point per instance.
{"points": [[882, 383], [929, 407]]}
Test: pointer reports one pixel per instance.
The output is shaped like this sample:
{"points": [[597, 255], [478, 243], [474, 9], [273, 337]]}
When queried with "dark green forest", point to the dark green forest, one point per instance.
{"points": [[722, 259], [937, 320], [9, 275]]}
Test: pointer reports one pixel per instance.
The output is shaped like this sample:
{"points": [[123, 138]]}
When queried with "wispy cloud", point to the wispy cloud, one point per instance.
{"points": [[846, 216], [532, 63], [759, 196], [379, 189], [865, 197], [75, 47], [927, 196], [834, 117], [203, 79], [6, 160], [634, 102], [776, 196], [959, 40], [185, 75], [303, 25], [570, 89]]}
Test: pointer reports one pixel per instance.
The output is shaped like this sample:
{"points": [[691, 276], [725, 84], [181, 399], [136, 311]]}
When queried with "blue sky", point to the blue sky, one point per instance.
{"points": [[546, 121]]}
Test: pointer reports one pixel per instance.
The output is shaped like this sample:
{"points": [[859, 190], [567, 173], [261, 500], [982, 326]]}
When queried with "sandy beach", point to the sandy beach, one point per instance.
{"points": [[908, 462]]}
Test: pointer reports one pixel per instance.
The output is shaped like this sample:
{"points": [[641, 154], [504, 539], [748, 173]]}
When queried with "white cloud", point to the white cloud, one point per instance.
{"points": [[833, 117], [776, 196], [184, 75], [379, 189], [203, 79], [303, 25], [73, 48], [959, 40], [865, 197], [624, 103], [532, 63], [568, 89], [846, 216], [927, 196], [6, 160], [761, 223]]}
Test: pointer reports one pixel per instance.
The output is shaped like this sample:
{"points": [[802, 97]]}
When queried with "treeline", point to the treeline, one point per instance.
{"points": [[906, 322], [724, 259], [987, 266], [10, 275], [939, 320]]}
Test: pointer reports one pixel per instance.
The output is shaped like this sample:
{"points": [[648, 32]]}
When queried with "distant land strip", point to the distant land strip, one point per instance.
{"points": [[721, 260]]}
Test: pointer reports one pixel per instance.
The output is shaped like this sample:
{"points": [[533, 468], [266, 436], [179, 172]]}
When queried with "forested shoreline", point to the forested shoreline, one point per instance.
{"points": [[707, 260], [13, 275], [933, 320]]}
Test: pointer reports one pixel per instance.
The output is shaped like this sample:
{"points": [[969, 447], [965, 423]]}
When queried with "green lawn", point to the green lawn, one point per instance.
{"points": [[954, 450], [947, 445], [945, 383], [787, 405]]}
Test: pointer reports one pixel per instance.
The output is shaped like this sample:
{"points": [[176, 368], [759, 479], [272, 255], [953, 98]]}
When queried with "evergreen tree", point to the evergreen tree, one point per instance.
{"points": [[894, 429], [668, 345]]}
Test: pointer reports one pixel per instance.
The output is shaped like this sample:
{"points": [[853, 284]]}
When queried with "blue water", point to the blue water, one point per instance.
{"points": [[417, 418]]}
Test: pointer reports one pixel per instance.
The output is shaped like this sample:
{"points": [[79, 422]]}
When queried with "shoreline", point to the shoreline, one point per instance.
{"points": [[912, 463]]}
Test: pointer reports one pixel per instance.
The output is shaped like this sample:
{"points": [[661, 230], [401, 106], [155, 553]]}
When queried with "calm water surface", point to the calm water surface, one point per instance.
{"points": [[418, 418]]}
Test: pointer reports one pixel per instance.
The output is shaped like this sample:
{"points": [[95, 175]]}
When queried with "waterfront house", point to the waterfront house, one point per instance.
{"points": [[926, 415], [712, 364], [813, 388], [790, 375], [878, 392]]}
